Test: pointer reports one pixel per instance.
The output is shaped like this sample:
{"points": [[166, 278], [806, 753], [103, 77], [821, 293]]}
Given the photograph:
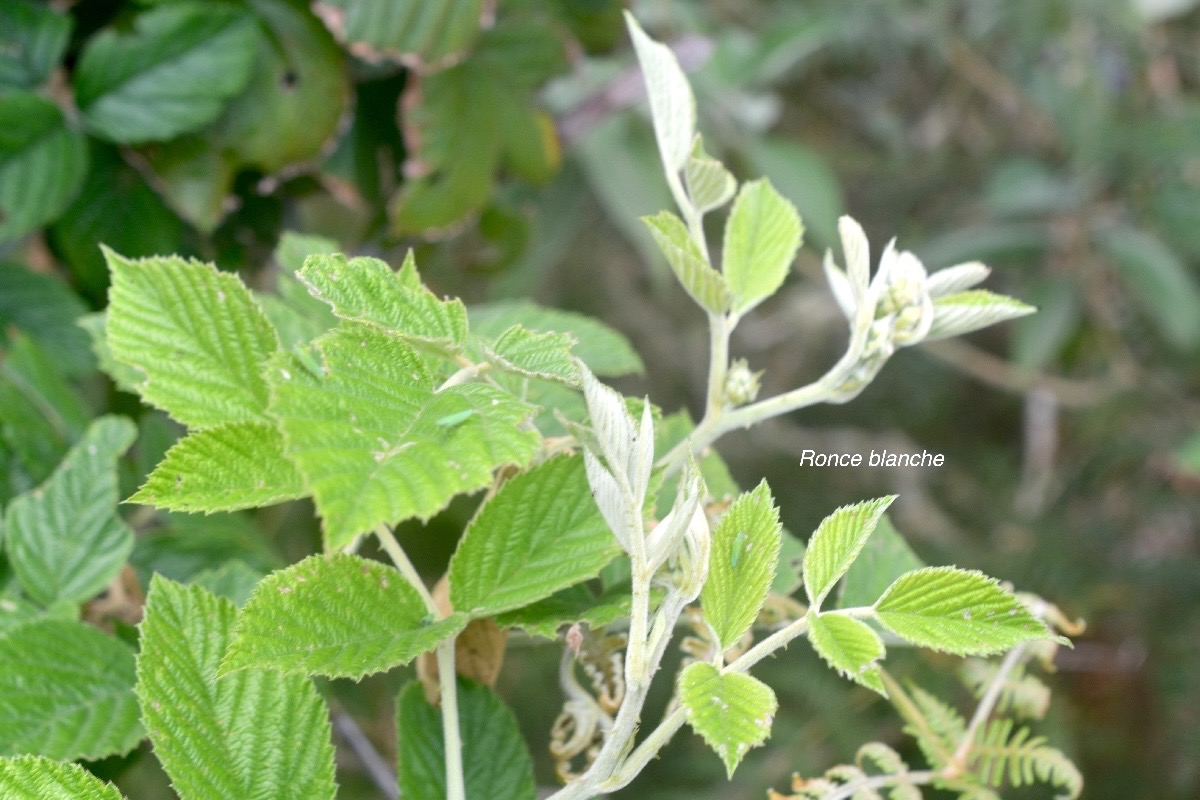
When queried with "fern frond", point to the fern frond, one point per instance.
{"points": [[942, 730], [1001, 752]]}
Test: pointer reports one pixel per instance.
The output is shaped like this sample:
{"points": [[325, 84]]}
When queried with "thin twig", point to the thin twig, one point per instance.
{"points": [[987, 704], [377, 769]]}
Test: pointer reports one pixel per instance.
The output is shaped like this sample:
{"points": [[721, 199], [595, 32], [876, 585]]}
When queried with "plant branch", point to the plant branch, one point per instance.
{"points": [[448, 686], [987, 704], [378, 769]]}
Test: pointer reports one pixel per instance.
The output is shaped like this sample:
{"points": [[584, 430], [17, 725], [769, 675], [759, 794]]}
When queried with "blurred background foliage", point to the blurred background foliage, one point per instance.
{"points": [[504, 140]]}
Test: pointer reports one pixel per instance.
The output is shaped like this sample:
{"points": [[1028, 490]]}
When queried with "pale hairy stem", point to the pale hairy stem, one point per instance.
{"points": [[987, 704], [670, 724], [455, 786], [467, 373]]}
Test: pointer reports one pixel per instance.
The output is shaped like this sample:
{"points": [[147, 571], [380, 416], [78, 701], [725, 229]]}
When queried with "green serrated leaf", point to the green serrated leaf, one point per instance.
{"points": [[885, 557], [672, 105], [540, 533], [804, 177], [741, 564], [789, 575], [412, 31], [197, 335], [42, 163], [705, 285], [251, 734], [33, 38], [66, 692], [838, 540], [338, 615], [126, 378], [957, 611], [762, 235], [709, 184], [226, 468], [732, 711], [963, 312], [38, 778], [496, 763], [534, 355], [571, 605], [849, 646], [365, 432], [64, 539], [172, 74], [367, 290], [606, 352]]}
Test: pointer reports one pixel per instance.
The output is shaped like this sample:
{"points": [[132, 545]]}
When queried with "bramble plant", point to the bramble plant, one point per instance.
{"points": [[602, 517]]}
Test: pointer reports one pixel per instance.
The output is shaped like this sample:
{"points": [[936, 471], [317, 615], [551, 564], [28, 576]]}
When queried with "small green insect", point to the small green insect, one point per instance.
{"points": [[309, 361], [455, 419], [739, 546]]}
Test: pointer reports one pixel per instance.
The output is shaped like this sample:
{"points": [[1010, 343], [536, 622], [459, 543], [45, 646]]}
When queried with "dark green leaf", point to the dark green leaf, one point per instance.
{"points": [[172, 74], [339, 615], [250, 734], [539, 534], [496, 764], [42, 163], [66, 692], [33, 37]]}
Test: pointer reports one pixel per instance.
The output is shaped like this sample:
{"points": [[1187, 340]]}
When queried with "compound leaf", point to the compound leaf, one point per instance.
{"points": [[196, 334], [495, 760], [849, 646], [38, 778], [540, 533], [367, 290], [838, 540], [957, 611], [66, 692], [250, 734], [64, 539], [762, 235], [741, 565], [732, 711], [705, 285], [338, 615], [229, 467], [172, 74], [374, 441]]}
